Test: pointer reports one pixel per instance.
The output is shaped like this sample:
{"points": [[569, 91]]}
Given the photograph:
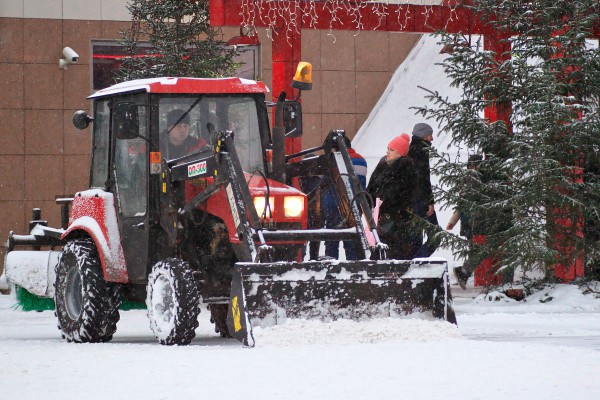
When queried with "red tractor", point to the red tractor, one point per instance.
{"points": [[221, 225]]}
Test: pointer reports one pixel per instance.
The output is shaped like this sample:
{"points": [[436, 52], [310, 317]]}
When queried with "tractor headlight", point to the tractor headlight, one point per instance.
{"points": [[293, 206], [259, 205]]}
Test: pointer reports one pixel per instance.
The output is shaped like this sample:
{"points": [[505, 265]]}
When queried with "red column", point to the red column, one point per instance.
{"points": [[286, 51], [287, 46], [495, 42], [563, 271], [568, 226], [484, 274]]}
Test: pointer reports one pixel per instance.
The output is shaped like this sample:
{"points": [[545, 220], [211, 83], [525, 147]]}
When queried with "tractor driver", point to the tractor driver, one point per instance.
{"points": [[177, 142]]}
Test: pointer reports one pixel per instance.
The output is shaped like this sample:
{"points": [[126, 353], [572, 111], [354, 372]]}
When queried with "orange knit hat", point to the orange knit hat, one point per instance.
{"points": [[400, 144]]}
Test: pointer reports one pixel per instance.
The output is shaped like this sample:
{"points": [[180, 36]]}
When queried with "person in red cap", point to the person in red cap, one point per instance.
{"points": [[393, 181]]}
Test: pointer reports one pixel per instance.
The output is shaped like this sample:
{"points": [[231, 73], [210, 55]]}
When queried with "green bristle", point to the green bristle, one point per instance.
{"points": [[132, 305], [27, 301]]}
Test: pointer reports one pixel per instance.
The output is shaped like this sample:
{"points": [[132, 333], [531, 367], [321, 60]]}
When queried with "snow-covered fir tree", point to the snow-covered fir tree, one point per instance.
{"points": [[536, 193], [182, 43]]}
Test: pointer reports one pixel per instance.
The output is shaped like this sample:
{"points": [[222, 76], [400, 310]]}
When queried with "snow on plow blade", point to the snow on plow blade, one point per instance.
{"points": [[266, 294]]}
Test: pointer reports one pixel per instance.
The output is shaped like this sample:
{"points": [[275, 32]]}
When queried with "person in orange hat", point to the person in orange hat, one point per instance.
{"points": [[393, 182]]}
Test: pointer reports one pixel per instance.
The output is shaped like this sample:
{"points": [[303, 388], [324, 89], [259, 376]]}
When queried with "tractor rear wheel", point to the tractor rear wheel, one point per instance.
{"points": [[87, 307], [173, 302]]}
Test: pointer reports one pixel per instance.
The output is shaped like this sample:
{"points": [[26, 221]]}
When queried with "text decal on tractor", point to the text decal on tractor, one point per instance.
{"points": [[197, 169]]}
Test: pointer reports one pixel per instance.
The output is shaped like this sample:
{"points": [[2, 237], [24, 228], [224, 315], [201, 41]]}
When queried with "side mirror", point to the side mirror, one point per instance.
{"points": [[81, 119], [291, 110], [292, 118], [125, 121]]}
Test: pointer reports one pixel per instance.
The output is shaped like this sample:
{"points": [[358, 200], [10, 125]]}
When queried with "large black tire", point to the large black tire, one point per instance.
{"points": [[173, 302], [87, 307]]}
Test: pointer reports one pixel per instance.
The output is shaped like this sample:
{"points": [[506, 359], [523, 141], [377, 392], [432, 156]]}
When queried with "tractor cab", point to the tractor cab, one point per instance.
{"points": [[138, 125]]}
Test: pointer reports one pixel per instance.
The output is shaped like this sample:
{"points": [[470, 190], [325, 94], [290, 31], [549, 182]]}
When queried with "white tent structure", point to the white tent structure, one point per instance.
{"points": [[392, 115]]}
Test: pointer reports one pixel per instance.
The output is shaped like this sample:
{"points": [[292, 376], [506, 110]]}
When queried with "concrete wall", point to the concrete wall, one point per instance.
{"points": [[42, 155]]}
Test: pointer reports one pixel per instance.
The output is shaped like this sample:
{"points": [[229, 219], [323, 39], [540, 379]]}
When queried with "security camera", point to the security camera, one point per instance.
{"points": [[71, 57]]}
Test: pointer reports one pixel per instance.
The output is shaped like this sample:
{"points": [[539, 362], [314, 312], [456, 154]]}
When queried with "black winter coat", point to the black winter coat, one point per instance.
{"points": [[394, 184], [419, 152], [375, 179]]}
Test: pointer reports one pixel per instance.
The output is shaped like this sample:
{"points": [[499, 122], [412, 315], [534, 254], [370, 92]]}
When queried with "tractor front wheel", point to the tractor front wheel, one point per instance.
{"points": [[87, 307], [173, 302]]}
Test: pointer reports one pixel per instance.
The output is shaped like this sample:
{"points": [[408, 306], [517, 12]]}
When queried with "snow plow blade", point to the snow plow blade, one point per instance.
{"points": [[266, 294]]}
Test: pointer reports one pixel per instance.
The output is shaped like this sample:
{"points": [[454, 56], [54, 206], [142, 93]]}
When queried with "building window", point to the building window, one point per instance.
{"points": [[107, 58], [249, 57]]}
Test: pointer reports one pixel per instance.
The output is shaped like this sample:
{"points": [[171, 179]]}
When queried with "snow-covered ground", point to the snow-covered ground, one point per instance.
{"points": [[500, 350]]}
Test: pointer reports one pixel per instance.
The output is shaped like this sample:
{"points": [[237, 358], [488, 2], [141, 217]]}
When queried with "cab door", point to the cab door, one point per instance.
{"points": [[131, 161]]}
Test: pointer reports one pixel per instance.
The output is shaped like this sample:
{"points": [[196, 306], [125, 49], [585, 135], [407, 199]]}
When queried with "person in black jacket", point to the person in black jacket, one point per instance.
{"points": [[310, 185], [423, 201], [482, 222], [393, 181]]}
